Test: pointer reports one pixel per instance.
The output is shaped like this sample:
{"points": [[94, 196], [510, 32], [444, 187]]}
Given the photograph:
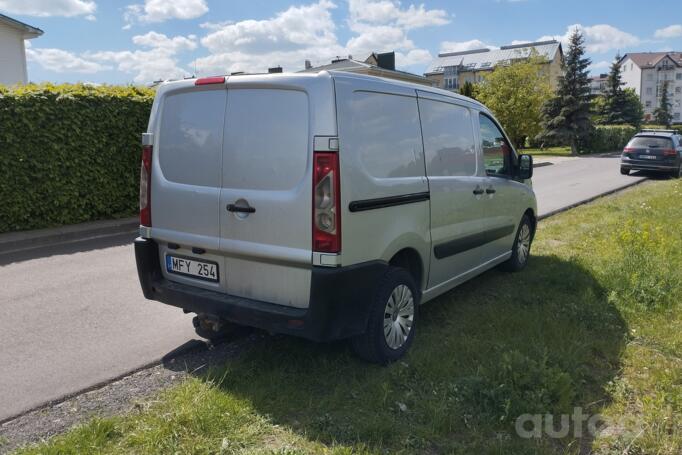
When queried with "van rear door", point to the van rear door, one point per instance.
{"points": [[186, 175], [266, 196]]}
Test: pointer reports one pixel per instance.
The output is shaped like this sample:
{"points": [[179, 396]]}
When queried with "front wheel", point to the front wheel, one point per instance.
{"points": [[624, 171], [392, 319], [521, 248]]}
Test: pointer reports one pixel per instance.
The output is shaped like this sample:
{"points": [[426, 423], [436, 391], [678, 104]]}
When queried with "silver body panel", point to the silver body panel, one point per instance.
{"points": [[258, 151]]}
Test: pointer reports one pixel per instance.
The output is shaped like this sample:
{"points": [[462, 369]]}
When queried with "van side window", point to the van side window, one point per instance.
{"points": [[449, 145], [385, 131], [498, 155]]}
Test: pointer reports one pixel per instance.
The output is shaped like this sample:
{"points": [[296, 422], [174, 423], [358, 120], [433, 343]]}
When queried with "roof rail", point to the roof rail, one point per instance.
{"points": [[657, 130]]}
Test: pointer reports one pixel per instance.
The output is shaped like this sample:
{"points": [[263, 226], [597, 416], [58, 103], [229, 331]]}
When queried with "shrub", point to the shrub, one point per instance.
{"points": [[609, 138], [69, 153]]}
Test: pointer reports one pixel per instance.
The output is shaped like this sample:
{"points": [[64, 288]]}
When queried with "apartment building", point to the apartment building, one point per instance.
{"points": [[598, 84], [451, 70], [646, 72]]}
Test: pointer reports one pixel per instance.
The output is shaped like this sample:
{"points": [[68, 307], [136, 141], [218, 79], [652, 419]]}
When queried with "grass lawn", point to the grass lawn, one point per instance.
{"points": [[549, 151], [594, 322]]}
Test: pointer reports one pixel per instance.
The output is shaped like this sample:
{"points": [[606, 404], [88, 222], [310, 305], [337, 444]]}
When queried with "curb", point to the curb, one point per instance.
{"points": [[13, 242], [590, 199]]}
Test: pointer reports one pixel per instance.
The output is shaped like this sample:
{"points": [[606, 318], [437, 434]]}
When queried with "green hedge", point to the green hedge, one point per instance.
{"points": [[69, 153], [609, 138]]}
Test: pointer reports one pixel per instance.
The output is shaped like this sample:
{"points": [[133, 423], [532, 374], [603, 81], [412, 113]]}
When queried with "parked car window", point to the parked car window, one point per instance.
{"points": [[191, 136], [497, 153], [449, 143], [386, 133], [649, 142], [261, 151]]}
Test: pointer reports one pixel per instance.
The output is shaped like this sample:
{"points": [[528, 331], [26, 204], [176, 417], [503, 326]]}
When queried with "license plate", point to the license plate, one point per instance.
{"points": [[202, 270], [647, 157]]}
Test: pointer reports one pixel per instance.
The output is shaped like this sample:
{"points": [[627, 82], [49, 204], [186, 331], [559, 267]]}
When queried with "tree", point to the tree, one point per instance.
{"points": [[516, 93], [566, 116], [633, 112], [662, 113], [467, 89], [615, 103]]}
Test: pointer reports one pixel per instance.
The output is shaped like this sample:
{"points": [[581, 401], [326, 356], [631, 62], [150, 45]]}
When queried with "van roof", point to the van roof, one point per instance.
{"points": [[421, 88], [301, 77]]}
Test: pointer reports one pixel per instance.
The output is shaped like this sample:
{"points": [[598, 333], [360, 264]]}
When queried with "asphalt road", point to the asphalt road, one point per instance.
{"points": [[74, 316]]}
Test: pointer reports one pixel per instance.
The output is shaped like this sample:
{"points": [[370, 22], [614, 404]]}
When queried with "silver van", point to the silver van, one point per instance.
{"points": [[324, 205]]}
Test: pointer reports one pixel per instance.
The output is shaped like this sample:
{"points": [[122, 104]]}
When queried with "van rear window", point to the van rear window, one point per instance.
{"points": [[650, 142], [266, 139], [191, 135]]}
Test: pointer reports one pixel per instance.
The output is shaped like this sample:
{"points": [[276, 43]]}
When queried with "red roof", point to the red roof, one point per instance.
{"points": [[650, 59]]}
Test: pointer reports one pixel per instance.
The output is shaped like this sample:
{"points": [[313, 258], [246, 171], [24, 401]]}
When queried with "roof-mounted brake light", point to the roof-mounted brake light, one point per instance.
{"points": [[210, 80]]}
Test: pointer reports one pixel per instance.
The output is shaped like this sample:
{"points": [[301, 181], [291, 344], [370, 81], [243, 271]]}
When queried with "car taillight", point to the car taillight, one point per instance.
{"points": [[628, 150], [669, 152], [326, 203], [146, 186]]}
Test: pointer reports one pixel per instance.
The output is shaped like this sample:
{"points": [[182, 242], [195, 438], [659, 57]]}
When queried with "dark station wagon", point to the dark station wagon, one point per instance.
{"points": [[653, 150]]}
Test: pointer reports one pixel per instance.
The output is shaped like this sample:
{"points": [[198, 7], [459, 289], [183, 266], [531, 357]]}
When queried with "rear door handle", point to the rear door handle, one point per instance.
{"points": [[237, 208], [478, 191], [490, 190]]}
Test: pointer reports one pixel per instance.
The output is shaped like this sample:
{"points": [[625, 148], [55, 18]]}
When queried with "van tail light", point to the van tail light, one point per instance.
{"points": [[326, 203], [146, 187], [669, 152]]}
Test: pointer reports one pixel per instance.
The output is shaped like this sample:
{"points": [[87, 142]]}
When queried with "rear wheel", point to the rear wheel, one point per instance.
{"points": [[393, 315], [624, 171], [521, 248], [678, 173]]}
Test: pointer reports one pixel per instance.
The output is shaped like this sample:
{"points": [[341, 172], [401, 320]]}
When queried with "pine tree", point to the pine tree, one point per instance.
{"points": [[467, 89], [662, 113], [615, 100], [566, 117]]}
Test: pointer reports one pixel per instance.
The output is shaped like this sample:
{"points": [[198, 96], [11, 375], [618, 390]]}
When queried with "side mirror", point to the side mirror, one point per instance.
{"points": [[525, 167]]}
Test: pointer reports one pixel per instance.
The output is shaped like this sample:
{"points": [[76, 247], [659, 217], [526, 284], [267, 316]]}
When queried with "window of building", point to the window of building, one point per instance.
{"points": [[678, 76], [650, 77], [648, 104], [676, 116], [678, 89], [649, 91]]}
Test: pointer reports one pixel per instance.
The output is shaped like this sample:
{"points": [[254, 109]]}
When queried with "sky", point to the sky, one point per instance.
{"points": [[121, 41]]}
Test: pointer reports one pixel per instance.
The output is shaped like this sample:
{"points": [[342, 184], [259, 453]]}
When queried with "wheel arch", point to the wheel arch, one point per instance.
{"points": [[410, 260]]}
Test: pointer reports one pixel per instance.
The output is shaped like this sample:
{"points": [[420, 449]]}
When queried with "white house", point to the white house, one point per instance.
{"points": [[646, 72], [12, 50]]}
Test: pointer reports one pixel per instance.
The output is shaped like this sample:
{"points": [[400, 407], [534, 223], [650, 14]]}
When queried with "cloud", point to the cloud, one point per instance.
{"points": [[308, 32], [599, 38], [460, 46], [158, 62], [46, 8], [378, 12], [160, 41], [162, 10], [600, 65], [62, 61], [672, 31]]}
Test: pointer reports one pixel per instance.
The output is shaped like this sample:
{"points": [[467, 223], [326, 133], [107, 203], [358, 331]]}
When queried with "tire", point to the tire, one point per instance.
{"points": [[624, 171], [521, 247], [390, 331], [678, 173]]}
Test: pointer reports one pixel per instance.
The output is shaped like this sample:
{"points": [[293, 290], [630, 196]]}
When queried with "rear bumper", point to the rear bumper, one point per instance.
{"points": [[641, 165], [339, 299]]}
